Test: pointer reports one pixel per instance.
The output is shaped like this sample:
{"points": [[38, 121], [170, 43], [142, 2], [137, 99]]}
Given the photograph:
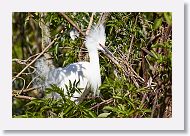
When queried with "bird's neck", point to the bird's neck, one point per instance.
{"points": [[94, 60], [95, 70]]}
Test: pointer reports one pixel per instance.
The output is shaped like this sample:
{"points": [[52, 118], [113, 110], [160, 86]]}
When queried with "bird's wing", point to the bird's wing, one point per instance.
{"points": [[74, 72]]}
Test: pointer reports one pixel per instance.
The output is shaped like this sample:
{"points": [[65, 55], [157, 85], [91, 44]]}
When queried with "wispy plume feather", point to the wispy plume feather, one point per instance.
{"points": [[96, 36]]}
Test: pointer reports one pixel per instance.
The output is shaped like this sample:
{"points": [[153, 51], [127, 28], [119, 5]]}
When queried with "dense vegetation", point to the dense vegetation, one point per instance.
{"points": [[137, 84]]}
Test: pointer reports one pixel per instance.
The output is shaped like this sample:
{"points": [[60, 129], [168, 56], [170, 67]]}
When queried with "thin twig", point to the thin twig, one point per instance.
{"points": [[154, 105], [103, 17], [142, 101], [29, 73], [23, 85], [130, 47], [133, 71], [132, 38], [31, 82], [35, 59], [32, 57], [148, 52], [115, 61], [90, 23], [26, 90], [24, 97], [72, 23], [81, 52], [104, 102], [19, 61]]}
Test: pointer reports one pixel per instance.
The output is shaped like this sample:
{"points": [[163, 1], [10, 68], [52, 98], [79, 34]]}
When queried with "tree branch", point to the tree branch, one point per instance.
{"points": [[23, 97], [72, 23], [104, 102]]}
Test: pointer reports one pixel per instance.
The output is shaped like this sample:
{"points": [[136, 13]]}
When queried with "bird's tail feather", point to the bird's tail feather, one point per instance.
{"points": [[41, 74]]}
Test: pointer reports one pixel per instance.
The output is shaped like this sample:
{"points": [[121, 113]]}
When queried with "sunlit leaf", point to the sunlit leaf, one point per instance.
{"points": [[103, 115]]}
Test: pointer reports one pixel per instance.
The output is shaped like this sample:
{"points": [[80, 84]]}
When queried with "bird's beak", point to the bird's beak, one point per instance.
{"points": [[105, 50], [109, 55]]}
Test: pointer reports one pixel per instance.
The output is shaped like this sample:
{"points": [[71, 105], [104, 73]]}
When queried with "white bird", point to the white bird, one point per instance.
{"points": [[87, 73]]}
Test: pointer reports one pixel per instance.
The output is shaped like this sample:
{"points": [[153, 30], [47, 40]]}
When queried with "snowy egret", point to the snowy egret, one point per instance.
{"points": [[87, 73]]}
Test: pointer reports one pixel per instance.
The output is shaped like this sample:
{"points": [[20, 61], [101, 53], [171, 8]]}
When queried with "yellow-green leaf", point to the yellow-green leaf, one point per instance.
{"points": [[157, 23], [104, 115]]}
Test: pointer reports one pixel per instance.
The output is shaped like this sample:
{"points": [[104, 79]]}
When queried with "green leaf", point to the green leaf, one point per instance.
{"points": [[45, 108], [68, 110], [56, 49], [20, 116], [147, 111], [117, 97], [157, 23], [103, 115], [92, 114], [155, 54], [89, 114], [108, 108], [168, 17]]}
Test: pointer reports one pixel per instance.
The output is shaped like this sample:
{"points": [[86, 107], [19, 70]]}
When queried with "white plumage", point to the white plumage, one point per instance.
{"points": [[88, 73]]}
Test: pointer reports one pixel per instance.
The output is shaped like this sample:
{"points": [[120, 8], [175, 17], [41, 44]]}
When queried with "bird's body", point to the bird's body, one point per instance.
{"points": [[72, 73], [87, 73]]}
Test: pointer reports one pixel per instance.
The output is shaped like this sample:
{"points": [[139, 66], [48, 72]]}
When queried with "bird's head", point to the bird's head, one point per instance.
{"points": [[96, 38]]}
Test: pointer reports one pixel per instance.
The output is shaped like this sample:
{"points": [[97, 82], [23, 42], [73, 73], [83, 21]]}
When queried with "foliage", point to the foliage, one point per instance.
{"points": [[141, 43]]}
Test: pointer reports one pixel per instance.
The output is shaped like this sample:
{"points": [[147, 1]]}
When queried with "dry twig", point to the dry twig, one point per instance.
{"points": [[100, 104], [72, 23], [26, 90], [132, 38], [24, 97], [90, 23]]}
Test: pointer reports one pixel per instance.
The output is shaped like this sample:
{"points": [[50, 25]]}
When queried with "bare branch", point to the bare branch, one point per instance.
{"points": [[90, 23], [24, 97], [132, 38], [102, 103], [26, 90], [103, 18]]}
